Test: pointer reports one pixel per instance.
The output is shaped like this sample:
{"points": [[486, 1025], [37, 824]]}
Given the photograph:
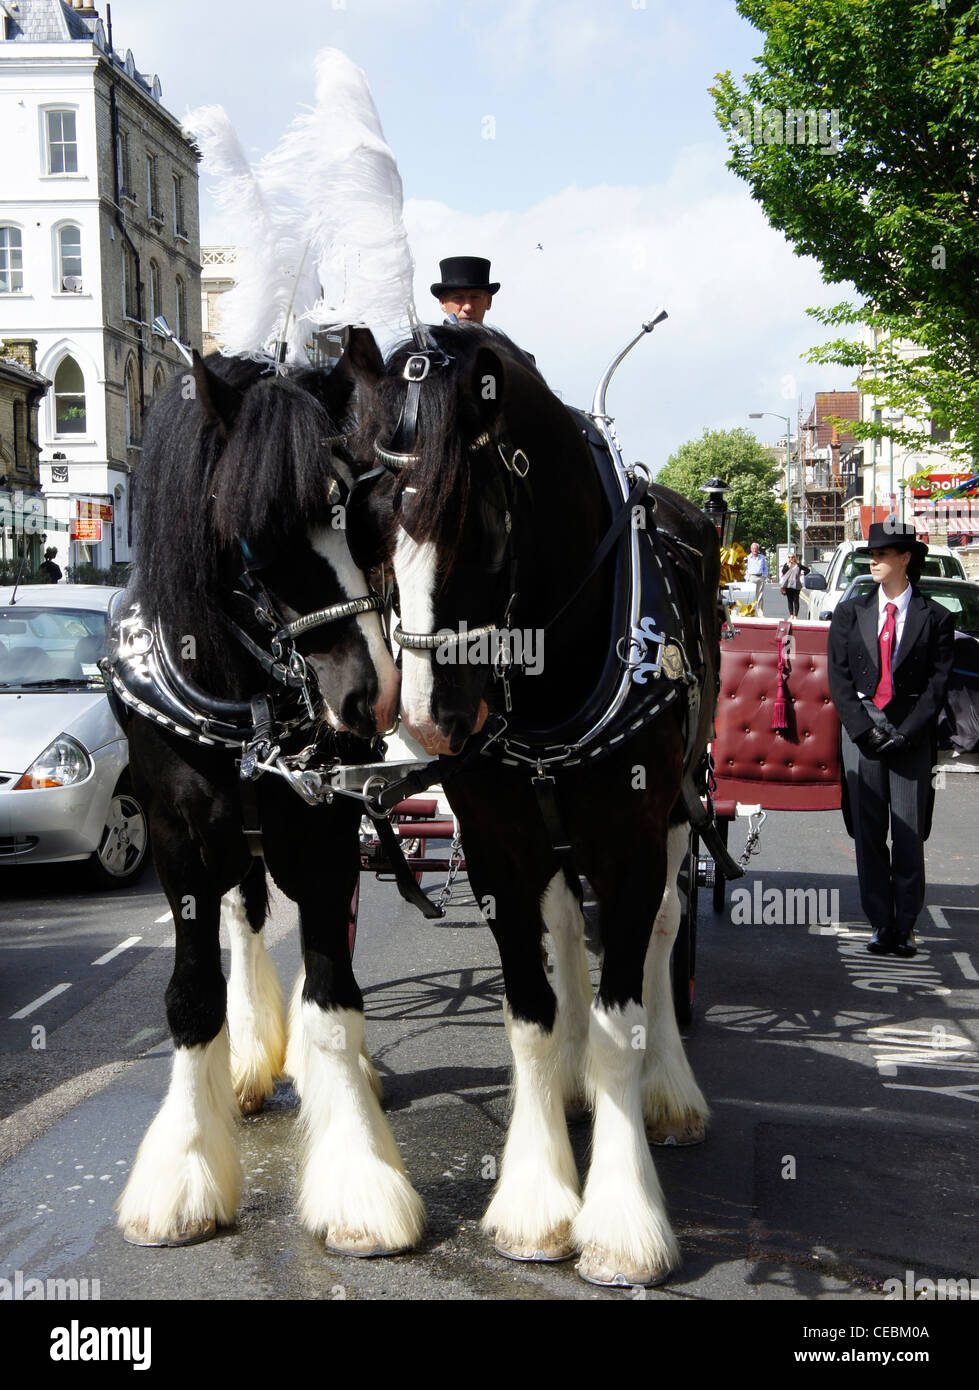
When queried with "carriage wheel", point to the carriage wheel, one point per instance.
{"points": [[685, 946], [720, 882], [352, 918]]}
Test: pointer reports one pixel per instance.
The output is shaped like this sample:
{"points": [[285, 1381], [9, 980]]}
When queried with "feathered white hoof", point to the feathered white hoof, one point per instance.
{"points": [[553, 1247], [191, 1235], [186, 1178], [680, 1132], [393, 1214], [294, 1064], [605, 1267]]}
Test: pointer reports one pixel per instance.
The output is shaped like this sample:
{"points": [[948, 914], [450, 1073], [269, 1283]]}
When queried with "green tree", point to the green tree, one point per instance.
{"points": [[884, 192], [738, 459]]}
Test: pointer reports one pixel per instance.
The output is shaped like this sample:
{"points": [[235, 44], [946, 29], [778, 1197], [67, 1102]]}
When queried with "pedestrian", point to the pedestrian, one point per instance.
{"points": [[890, 657], [48, 572], [791, 582], [756, 570]]}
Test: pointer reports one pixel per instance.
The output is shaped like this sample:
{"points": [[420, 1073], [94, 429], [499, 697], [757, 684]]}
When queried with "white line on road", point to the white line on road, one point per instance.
{"points": [[58, 989], [167, 917], [965, 965], [938, 916], [117, 950]]}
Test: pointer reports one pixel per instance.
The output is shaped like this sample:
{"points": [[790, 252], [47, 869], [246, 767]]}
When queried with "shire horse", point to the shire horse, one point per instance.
{"points": [[238, 536], [497, 513]]}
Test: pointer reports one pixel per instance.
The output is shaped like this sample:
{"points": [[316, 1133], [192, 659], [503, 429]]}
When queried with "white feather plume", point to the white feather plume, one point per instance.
{"points": [[323, 237]]}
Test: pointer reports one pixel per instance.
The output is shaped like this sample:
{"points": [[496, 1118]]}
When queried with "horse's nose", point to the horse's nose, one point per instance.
{"points": [[357, 711]]}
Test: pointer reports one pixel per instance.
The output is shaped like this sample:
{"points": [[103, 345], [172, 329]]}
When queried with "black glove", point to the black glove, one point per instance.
{"points": [[896, 743], [873, 742]]}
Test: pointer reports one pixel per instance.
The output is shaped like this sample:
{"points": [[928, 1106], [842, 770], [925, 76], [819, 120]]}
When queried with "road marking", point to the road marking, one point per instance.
{"points": [[965, 965], [58, 989], [167, 917], [117, 950], [938, 916]]}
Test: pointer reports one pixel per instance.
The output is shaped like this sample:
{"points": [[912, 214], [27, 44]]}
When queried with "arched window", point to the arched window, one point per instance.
{"points": [[180, 327], [11, 260], [69, 398], [129, 277], [132, 404], [156, 301], [159, 379], [70, 258]]}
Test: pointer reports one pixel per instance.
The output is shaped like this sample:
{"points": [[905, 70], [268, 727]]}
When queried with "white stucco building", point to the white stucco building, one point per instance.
{"points": [[98, 234]]}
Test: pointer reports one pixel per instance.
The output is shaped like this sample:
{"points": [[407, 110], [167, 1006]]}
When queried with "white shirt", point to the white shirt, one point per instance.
{"points": [[901, 604]]}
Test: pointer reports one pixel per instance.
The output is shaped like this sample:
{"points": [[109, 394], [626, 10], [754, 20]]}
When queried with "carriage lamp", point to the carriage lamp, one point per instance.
{"points": [[725, 518]]}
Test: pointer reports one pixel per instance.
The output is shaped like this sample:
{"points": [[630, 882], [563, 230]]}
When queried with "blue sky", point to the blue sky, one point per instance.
{"points": [[603, 149]]}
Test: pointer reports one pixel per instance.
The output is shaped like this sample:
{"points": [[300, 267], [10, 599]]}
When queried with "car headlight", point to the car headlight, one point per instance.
{"points": [[63, 763]]}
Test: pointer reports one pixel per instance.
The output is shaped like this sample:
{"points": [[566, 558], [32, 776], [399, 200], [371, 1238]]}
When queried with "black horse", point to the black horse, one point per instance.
{"points": [[242, 502], [498, 513]]}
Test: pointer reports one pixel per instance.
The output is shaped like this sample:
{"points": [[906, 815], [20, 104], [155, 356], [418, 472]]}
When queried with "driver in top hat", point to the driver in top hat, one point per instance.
{"points": [[890, 657], [465, 288]]}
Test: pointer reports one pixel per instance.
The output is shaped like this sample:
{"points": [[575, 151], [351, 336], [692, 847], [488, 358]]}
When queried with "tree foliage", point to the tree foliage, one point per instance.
{"points": [[892, 202], [738, 459]]}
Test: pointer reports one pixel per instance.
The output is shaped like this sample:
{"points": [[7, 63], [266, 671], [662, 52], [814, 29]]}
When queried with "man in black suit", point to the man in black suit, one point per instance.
{"points": [[890, 657]]}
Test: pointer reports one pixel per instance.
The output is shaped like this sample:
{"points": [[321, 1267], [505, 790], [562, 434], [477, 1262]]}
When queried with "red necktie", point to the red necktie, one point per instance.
{"points": [[886, 642]]}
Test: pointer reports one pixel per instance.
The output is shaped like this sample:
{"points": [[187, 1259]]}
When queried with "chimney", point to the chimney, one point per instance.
{"points": [[22, 351]]}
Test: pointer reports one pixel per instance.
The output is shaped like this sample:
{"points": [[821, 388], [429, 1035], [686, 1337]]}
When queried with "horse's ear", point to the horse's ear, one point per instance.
{"points": [[219, 401], [361, 360], [487, 383]]}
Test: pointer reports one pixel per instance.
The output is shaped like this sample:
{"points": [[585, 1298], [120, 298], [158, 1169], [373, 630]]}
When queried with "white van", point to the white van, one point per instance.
{"points": [[848, 563]]}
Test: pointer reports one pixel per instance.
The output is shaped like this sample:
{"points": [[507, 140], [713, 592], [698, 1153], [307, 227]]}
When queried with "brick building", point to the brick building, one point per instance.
{"points": [[23, 523], [98, 234]]}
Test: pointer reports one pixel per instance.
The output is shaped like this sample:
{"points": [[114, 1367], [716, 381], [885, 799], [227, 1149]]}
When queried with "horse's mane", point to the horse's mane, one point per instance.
{"points": [[448, 423], [197, 490]]}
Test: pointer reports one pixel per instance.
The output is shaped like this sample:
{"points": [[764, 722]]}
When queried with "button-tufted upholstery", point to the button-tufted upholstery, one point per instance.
{"points": [[799, 768]]}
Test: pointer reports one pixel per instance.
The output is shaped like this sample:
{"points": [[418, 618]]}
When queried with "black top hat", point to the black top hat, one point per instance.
{"points": [[897, 534], [464, 273]]}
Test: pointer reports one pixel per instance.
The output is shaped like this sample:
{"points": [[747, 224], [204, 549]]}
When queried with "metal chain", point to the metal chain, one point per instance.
{"points": [[755, 823], [455, 864]]}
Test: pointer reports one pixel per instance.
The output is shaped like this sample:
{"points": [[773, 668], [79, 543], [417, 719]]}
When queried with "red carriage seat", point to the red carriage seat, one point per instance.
{"points": [[797, 769]]}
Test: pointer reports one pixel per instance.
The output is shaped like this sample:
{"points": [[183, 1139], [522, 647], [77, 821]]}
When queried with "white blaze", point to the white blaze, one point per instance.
{"points": [[414, 566]]}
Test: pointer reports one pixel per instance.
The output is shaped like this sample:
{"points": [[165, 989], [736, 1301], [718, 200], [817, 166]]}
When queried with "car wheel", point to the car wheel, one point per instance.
{"points": [[124, 845]]}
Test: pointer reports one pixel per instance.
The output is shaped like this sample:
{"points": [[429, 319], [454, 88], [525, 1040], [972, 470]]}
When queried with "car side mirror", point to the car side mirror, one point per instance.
{"points": [[814, 581]]}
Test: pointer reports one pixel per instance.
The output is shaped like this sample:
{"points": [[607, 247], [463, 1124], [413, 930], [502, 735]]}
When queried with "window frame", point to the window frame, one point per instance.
{"points": [[49, 144], [153, 187], [55, 395], [9, 251], [60, 272]]}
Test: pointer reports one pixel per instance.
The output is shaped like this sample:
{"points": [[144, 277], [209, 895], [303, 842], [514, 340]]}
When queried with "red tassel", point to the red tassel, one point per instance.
{"points": [[780, 713]]}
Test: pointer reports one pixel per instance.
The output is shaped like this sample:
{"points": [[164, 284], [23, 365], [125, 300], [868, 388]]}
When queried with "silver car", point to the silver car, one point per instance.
{"points": [[64, 787]]}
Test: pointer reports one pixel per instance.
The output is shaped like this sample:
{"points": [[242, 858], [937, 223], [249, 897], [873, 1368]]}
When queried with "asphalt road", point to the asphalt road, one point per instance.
{"points": [[843, 1092]]}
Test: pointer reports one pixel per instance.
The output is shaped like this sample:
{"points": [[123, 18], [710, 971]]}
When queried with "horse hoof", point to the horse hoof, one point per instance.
{"points": [[553, 1248], [665, 1135], [601, 1267], [250, 1101], [359, 1245], [192, 1234]]}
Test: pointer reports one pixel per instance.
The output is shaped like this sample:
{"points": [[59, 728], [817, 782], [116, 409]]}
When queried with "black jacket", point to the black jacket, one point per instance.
{"points": [[921, 668]]}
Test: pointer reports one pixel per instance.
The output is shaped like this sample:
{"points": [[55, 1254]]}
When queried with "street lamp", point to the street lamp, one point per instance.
{"points": [[725, 518], [756, 415]]}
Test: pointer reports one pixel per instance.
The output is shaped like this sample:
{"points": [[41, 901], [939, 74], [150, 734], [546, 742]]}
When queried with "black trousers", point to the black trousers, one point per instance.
{"points": [[792, 598], [889, 793]]}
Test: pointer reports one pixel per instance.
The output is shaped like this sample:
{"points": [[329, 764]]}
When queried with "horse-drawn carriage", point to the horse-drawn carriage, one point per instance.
{"points": [[257, 691]]}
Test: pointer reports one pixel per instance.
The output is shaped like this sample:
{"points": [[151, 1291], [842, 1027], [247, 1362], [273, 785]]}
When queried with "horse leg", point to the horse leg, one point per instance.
{"points": [[353, 1189], [536, 1197], [255, 1021], [563, 918], [622, 1227], [186, 1176], [295, 1050], [673, 1104]]}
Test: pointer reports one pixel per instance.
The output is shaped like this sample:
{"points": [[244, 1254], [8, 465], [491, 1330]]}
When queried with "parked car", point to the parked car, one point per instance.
{"points": [[821, 594], [64, 786], [959, 596]]}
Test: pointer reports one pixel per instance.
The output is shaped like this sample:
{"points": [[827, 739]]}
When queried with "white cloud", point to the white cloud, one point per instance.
{"points": [[735, 293]]}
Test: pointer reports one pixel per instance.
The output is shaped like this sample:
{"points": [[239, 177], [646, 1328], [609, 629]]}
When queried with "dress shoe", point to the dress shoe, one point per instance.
{"points": [[880, 942], [904, 945]]}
